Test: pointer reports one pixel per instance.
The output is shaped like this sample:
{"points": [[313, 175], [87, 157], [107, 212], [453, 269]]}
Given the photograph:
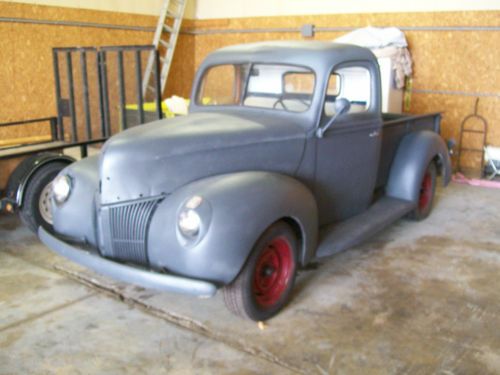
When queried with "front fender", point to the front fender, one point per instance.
{"points": [[415, 151], [241, 205], [76, 218]]}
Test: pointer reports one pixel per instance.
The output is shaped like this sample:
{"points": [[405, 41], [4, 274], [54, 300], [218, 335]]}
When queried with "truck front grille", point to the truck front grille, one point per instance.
{"points": [[128, 227]]}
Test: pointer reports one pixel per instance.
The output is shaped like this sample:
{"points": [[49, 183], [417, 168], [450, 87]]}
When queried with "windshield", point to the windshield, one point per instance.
{"points": [[273, 86]]}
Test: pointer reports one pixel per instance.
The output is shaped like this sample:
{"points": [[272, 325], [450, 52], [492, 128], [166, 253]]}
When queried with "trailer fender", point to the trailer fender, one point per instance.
{"points": [[415, 151], [19, 179], [236, 209]]}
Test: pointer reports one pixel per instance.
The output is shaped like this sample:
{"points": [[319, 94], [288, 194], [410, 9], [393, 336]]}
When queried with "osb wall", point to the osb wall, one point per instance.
{"points": [[464, 64]]}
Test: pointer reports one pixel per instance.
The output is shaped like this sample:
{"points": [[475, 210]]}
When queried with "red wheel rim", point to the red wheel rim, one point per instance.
{"points": [[425, 192], [273, 271]]}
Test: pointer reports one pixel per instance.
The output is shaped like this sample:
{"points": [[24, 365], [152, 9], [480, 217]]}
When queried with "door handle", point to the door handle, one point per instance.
{"points": [[374, 134]]}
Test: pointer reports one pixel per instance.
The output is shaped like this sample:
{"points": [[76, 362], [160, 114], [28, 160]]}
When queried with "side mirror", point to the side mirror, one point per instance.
{"points": [[342, 106]]}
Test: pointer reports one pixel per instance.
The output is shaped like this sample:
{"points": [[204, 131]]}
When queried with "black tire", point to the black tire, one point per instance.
{"points": [[30, 212], [265, 283], [427, 192]]}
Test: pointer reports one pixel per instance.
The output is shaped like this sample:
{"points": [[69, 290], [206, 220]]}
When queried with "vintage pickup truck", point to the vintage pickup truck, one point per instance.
{"points": [[284, 158]]}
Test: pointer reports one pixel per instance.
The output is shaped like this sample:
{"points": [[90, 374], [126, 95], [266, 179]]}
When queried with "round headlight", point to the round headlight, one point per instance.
{"points": [[189, 222], [61, 188]]}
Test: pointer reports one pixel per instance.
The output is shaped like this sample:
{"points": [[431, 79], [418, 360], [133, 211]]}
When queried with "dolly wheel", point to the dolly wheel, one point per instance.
{"points": [[264, 285], [36, 207], [426, 197]]}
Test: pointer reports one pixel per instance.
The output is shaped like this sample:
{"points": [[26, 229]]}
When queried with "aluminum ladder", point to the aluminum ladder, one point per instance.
{"points": [[165, 39]]}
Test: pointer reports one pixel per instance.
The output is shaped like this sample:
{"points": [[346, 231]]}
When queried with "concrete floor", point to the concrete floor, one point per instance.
{"points": [[420, 298]]}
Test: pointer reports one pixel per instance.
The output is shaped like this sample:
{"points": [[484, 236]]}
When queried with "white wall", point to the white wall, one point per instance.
{"points": [[206, 9], [151, 7]]}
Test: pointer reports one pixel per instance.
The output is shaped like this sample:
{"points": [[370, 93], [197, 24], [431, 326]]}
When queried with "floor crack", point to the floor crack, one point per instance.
{"points": [[182, 321], [46, 312]]}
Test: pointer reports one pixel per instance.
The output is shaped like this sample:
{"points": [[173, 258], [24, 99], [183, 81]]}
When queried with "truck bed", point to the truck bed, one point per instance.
{"points": [[395, 127]]}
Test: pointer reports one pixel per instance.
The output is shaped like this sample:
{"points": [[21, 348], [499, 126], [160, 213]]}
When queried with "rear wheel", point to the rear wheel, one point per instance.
{"points": [[265, 284], [36, 207], [426, 196]]}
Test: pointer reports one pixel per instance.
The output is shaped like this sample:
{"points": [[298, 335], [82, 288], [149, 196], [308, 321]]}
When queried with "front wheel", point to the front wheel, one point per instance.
{"points": [[265, 284], [426, 196]]}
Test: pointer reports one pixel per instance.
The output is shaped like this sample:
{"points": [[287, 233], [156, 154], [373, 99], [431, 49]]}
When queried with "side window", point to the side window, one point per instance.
{"points": [[220, 86], [351, 83]]}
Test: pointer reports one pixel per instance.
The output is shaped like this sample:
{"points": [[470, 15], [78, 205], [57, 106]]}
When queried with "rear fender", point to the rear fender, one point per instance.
{"points": [[415, 151], [237, 208]]}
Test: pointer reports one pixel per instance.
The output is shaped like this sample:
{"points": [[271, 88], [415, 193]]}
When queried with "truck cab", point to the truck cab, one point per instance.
{"points": [[285, 157], [305, 88]]}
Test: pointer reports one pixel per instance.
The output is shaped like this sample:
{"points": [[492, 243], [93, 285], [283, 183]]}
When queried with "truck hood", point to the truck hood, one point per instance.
{"points": [[161, 156]]}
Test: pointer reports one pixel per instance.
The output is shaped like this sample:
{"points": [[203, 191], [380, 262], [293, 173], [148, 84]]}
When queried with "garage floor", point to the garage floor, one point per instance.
{"points": [[419, 298]]}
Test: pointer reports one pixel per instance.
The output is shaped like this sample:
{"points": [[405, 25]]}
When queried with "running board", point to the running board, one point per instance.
{"points": [[335, 238]]}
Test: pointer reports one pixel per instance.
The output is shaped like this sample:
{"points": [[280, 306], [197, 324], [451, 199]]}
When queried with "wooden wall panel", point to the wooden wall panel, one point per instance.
{"points": [[183, 67], [456, 60]]}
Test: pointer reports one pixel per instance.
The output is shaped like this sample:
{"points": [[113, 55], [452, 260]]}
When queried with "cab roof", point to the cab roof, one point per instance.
{"points": [[320, 56]]}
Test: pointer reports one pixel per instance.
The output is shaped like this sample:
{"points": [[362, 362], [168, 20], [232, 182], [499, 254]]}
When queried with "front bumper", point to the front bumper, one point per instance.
{"points": [[143, 278]]}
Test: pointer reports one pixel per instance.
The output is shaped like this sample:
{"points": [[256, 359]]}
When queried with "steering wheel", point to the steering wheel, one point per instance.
{"points": [[280, 101]]}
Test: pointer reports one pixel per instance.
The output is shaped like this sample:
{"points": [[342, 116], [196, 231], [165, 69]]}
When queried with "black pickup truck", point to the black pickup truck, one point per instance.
{"points": [[284, 158]]}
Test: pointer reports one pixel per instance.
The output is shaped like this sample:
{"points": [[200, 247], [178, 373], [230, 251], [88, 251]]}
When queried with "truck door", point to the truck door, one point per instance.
{"points": [[348, 153]]}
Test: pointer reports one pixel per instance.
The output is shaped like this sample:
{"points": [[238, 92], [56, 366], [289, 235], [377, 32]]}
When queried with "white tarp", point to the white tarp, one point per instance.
{"points": [[177, 105], [384, 42], [375, 37]]}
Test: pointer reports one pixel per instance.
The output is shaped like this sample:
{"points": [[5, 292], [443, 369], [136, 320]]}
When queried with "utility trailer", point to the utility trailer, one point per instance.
{"points": [[92, 87]]}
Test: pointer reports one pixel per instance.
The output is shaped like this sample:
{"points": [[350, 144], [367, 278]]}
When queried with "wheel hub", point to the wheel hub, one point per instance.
{"points": [[268, 271], [425, 192], [44, 205], [273, 272]]}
